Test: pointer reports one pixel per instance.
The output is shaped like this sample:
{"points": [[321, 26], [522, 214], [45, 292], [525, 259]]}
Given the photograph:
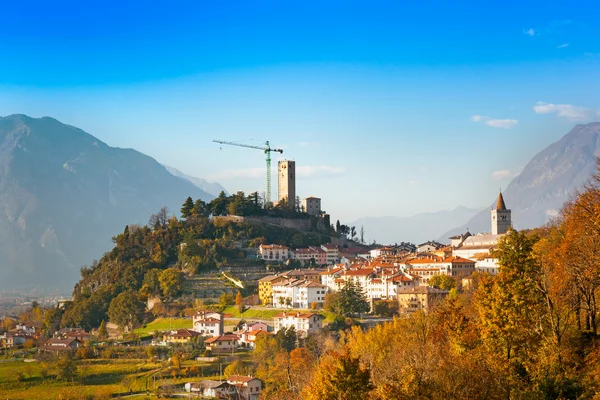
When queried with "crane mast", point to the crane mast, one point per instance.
{"points": [[267, 150]]}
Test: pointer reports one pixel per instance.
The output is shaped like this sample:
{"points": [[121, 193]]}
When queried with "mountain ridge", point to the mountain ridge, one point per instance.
{"points": [[548, 180], [64, 194]]}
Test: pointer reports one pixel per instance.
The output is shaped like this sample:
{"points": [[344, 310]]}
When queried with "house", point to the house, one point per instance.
{"points": [[73, 333], [222, 344], [211, 389], [248, 387], [313, 274], [418, 298], [208, 323], [310, 255], [265, 288], [310, 294], [304, 323], [273, 252], [328, 277], [296, 293], [332, 255], [12, 340], [429, 247], [247, 338], [180, 336], [58, 345]]}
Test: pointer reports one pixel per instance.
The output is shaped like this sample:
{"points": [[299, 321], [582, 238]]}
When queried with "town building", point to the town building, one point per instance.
{"points": [[429, 247], [180, 336], [310, 255], [418, 298], [265, 288], [297, 293], [211, 389], [208, 323], [312, 205], [286, 175], [273, 252], [303, 323], [332, 253], [222, 344], [61, 345], [248, 387]]}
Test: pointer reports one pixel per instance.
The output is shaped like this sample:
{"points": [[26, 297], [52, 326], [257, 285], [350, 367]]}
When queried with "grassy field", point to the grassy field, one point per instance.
{"points": [[252, 313], [165, 324], [96, 379]]}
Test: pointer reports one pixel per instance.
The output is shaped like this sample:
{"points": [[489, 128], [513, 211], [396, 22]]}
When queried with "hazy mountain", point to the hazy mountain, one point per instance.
{"points": [[547, 181], [213, 188], [417, 229], [64, 194]]}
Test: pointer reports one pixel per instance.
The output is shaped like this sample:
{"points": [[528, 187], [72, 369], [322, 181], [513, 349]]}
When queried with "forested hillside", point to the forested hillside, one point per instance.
{"points": [[152, 260]]}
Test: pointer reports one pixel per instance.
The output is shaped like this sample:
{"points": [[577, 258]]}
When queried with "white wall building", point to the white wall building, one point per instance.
{"points": [[273, 252], [304, 324], [208, 323]]}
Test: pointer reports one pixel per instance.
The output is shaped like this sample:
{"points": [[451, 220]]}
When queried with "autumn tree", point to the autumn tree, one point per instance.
{"points": [[443, 282], [339, 376], [102, 331], [171, 282], [235, 368], [239, 302]]}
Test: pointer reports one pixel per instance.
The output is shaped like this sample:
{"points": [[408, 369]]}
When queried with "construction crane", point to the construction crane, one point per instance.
{"points": [[267, 150]]}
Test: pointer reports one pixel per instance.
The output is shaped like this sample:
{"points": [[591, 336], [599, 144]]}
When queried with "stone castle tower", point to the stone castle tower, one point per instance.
{"points": [[286, 173], [501, 220]]}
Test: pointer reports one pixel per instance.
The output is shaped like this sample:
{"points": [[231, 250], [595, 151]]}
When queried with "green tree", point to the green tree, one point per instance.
{"points": [[126, 310], [151, 283], [102, 331], [287, 338], [443, 282], [347, 301], [187, 208], [171, 282], [218, 206], [201, 209]]}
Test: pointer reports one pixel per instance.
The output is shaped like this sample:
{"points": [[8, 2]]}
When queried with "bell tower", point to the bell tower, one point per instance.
{"points": [[501, 220]]}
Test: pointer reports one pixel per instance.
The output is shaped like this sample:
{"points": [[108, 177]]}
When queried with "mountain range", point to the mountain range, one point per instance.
{"points": [[538, 193], [64, 194], [212, 188], [534, 196]]}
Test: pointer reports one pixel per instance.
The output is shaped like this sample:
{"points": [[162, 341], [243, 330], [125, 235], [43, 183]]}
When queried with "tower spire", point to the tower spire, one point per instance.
{"points": [[500, 203]]}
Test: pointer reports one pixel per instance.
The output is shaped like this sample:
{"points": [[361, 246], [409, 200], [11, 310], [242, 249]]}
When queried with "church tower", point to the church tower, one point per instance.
{"points": [[500, 217]]}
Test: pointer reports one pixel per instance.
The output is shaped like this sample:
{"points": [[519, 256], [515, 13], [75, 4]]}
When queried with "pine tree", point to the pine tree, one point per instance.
{"points": [[187, 208]]}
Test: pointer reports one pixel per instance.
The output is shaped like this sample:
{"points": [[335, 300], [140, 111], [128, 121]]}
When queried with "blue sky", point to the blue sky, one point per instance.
{"points": [[387, 108]]}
